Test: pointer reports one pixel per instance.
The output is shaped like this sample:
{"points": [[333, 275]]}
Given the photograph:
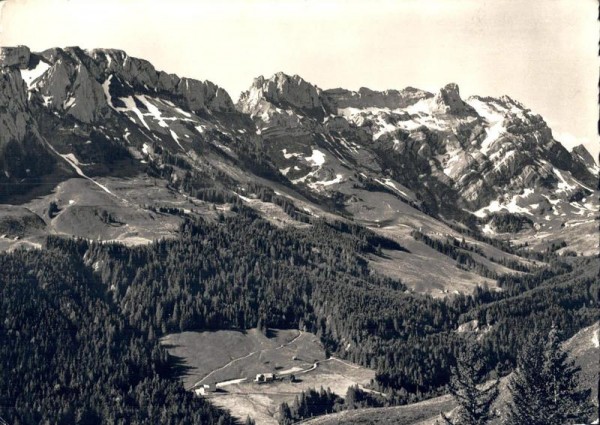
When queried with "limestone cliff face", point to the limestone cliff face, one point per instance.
{"points": [[199, 95], [72, 86], [23, 155], [448, 101], [13, 106], [194, 95], [584, 155], [285, 92], [14, 116], [585, 159], [366, 98], [74, 83], [69, 86]]}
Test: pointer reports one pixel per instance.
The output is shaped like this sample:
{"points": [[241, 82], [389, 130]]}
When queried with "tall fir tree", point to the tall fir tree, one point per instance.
{"points": [[285, 414], [473, 396], [544, 388]]}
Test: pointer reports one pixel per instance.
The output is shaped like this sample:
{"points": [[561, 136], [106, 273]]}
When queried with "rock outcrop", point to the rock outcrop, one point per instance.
{"points": [[286, 92], [195, 95], [23, 155], [73, 84], [198, 95], [584, 156], [448, 101], [366, 98], [13, 104], [71, 87], [14, 57]]}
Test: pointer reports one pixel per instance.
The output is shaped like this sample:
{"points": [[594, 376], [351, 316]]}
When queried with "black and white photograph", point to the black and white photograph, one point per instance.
{"points": [[262, 212]]}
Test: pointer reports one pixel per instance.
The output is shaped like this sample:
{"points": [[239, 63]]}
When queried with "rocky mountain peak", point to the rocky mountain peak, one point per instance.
{"points": [[448, 101], [293, 90], [285, 91], [584, 155]]}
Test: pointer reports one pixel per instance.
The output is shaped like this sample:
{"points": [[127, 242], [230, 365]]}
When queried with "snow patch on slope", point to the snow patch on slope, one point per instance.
{"points": [[176, 138], [317, 158], [338, 179], [130, 106], [69, 103], [390, 183], [511, 207], [563, 185], [494, 114], [72, 158], [30, 75], [289, 155], [385, 120], [153, 110]]}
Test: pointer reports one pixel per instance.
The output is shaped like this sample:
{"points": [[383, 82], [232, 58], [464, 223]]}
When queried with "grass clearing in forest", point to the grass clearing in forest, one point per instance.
{"points": [[232, 359]]}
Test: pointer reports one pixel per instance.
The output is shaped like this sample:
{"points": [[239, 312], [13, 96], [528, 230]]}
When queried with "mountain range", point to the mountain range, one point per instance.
{"points": [[86, 131], [361, 238]]}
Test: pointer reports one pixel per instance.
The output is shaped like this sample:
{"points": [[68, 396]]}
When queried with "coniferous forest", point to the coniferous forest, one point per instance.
{"points": [[82, 320]]}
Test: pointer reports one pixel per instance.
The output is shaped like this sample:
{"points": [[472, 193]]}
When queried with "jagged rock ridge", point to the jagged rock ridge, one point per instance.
{"points": [[436, 152], [69, 103], [367, 98]]}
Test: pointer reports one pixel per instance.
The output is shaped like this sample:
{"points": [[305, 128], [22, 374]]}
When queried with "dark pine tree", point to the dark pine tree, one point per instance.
{"points": [[474, 397], [544, 388], [285, 414]]}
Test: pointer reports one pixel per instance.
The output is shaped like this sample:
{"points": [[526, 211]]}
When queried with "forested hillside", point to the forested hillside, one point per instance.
{"points": [[69, 357], [83, 319]]}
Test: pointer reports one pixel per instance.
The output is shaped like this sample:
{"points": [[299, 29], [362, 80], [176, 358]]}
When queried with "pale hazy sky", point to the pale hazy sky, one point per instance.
{"points": [[541, 52]]}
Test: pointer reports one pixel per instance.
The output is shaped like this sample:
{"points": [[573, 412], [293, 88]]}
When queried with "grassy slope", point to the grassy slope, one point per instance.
{"points": [[223, 356], [399, 415], [585, 349], [244, 354], [427, 271]]}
